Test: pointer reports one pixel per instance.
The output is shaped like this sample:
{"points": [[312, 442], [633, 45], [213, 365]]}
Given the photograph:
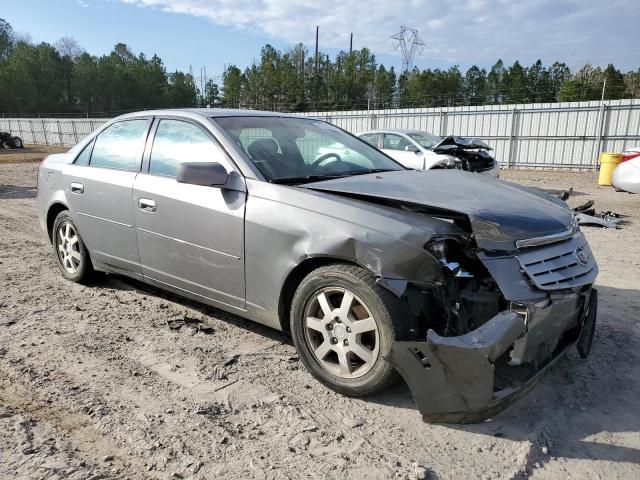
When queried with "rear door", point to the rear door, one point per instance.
{"points": [[190, 237], [98, 187], [394, 145]]}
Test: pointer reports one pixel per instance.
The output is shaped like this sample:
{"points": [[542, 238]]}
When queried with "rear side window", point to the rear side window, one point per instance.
{"points": [[176, 142], [120, 145], [85, 155]]}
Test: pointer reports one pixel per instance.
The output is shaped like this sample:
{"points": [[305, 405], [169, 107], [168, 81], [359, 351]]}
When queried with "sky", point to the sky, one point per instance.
{"points": [[215, 33]]}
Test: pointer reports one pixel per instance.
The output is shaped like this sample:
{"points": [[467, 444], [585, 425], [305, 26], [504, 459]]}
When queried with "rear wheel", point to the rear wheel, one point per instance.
{"points": [[17, 142], [72, 255], [343, 325]]}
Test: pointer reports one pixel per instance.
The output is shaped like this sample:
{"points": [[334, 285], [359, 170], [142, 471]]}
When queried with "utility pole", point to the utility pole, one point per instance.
{"points": [[604, 86], [351, 44], [317, 30]]}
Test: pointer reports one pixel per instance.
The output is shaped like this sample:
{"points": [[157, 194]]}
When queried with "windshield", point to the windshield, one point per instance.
{"points": [[425, 139], [292, 150]]}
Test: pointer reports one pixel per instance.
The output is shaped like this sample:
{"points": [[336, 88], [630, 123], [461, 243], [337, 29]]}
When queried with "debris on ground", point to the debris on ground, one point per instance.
{"points": [[192, 323], [586, 213]]}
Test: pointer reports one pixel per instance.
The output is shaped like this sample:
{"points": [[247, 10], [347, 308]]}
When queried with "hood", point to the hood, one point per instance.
{"points": [[499, 212], [449, 143]]}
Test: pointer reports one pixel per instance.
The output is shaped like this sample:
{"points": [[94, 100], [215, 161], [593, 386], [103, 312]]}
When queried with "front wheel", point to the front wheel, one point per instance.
{"points": [[72, 255], [343, 325]]}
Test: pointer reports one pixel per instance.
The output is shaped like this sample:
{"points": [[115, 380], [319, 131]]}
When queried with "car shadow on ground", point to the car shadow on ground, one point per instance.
{"points": [[579, 404], [14, 192], [125, 283]]}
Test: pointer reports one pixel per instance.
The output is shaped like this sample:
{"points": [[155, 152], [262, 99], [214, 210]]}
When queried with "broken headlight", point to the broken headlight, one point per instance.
{"points": [[447, 257]]}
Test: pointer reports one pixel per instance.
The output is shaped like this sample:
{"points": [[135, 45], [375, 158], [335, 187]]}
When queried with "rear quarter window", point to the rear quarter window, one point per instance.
{"points": [[85, 154], [120, 145]]}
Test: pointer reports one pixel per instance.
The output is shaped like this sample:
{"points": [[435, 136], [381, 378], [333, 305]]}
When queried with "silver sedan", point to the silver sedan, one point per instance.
{"points": [[454, 280]]}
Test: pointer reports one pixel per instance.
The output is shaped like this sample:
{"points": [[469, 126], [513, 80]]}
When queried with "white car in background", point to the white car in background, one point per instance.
{"points": [[626, 176], [425, 151]]}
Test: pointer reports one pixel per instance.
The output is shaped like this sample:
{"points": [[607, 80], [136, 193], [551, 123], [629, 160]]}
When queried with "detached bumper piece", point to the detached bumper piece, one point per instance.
{"points": [[468, 379]]}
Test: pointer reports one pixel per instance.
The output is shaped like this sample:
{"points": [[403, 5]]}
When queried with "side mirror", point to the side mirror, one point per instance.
{"points": [[208, 174], [411, 148]]}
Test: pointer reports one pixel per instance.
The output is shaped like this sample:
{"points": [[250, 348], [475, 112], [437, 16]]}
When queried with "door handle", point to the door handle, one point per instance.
{"points": [[147, 205], [77, 188]]}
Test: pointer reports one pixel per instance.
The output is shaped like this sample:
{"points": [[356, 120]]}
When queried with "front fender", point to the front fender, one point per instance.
{"points": [[286, 225]]}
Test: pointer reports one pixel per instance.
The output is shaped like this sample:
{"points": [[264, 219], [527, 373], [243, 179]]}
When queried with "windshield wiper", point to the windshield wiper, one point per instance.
{"points": [[307, 179], [371, 170], [316, 178]]}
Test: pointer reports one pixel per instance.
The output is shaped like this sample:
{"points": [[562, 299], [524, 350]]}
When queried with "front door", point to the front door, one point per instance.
{"points": [[395, 146], [190, 237]]}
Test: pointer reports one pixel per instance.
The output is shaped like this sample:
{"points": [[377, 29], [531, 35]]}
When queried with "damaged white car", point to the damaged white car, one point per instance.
{"points": [[425, 151]]}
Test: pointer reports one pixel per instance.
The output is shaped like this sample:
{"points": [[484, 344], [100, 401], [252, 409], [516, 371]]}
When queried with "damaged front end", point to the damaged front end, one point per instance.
{"points": [[472, 153], [494, 324]]}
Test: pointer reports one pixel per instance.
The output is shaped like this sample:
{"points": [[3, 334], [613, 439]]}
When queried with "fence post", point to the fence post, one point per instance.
{"points": [[44, 132], [33, 133], [600, 123], [443, 123], [59, 132], [512, 138], [75, 131]]}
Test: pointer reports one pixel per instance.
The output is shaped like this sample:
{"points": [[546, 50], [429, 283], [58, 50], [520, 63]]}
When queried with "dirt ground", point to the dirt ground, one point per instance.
{"points": [[30, 153], [94, 384]]}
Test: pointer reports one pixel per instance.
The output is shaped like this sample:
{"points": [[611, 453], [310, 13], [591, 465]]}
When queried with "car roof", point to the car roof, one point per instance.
{"points": [[404, 131], [206, 112]]}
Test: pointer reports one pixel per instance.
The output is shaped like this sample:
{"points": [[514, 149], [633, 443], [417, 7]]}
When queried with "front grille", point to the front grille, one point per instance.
{"points": [[566, 264]]}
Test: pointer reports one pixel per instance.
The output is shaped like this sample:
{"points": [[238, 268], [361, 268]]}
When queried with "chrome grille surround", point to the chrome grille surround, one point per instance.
{"points": [[566, 264]]}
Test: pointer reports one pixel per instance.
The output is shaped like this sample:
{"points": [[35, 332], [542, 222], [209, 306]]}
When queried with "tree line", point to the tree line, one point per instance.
{"points": [[63, 78]]}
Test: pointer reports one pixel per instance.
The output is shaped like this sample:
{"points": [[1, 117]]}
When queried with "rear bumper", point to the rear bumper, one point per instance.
{"points": [[473, 377]]}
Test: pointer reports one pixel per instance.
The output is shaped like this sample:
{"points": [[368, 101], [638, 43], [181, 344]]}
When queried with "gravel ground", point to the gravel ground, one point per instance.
{"points": [[94, 383]]}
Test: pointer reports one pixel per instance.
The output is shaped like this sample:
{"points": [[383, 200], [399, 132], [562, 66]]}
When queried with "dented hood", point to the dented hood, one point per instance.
{"points": [[450, 142], [499, 212]]}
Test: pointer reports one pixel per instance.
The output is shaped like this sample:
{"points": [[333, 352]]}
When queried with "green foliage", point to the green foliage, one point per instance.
{"points": [[6, 38], [46, 79]]}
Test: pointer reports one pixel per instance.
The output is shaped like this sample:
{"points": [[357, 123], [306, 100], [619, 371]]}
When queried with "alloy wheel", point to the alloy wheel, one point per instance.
{"points": [[68, 247], [341, 332]]}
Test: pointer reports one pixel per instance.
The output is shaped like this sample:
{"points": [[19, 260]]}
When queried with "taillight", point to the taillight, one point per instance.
{"points": [[629, 156]]}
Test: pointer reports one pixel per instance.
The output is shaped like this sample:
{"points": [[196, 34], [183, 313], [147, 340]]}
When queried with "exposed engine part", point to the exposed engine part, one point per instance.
{"points": [[466, 299]]}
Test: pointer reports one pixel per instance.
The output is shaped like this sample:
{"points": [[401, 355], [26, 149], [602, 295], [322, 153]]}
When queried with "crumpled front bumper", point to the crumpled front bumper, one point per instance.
{"points": [[473, 377]]}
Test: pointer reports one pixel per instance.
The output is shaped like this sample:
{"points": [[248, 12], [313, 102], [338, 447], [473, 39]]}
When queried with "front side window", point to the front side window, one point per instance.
{"points": [[294, 150], [120, 145], [395, 142], [177, 141]]}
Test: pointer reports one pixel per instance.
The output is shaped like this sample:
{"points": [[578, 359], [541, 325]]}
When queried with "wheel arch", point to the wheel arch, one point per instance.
{"points": [[54, 210], [295, 276]]}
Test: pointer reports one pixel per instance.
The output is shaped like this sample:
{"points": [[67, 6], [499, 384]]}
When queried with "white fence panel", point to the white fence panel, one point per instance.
{"points": [[549, 135]]}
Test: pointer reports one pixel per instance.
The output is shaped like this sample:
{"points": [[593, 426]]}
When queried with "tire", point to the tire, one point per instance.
{"points": [[17, 142], [330, 343], [72, 255]]}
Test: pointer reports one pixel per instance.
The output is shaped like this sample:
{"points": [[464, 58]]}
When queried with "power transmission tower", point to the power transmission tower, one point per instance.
{"points": [[410, 44]]}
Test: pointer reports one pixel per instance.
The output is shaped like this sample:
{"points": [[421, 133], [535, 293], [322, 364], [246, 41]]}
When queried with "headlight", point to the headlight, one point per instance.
{"points": [[438, 248]]}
